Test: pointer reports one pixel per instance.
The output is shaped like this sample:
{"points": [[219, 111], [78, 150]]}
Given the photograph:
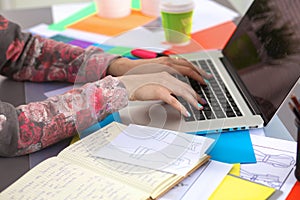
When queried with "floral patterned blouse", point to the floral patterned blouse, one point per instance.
{"points": [[27, 57]]}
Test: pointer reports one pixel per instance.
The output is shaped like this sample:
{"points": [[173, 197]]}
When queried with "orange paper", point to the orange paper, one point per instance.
{"points": [[295, 192], [215, 37], [111, 27], [212, 38]]}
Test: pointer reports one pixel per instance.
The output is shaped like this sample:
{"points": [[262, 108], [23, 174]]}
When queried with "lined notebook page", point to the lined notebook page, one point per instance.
{"points": [[140, 177], [58, 179]]}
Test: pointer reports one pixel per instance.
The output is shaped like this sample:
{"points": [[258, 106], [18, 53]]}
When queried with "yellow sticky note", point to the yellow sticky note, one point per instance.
{"points": [[235, 188], [235, 169]]}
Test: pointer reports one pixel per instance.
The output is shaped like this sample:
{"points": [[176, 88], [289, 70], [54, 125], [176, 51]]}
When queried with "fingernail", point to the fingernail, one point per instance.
{"points": [[209, 74], [188, 114], [205, 102], [206, 81], [200, 106]]}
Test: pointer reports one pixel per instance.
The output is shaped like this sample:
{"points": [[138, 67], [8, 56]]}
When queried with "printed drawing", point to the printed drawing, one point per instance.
{"points": [[272, 167]]}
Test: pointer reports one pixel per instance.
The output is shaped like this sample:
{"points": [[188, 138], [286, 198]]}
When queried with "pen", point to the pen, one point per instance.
{"points": [[146, 54]]}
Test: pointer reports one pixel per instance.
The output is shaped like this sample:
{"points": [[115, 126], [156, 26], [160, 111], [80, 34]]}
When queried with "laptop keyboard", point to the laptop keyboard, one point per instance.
{"points": [[220, 103]]}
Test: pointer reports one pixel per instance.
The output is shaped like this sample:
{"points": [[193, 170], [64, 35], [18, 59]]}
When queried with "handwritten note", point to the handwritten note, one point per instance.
{"points": [[54, 177]]}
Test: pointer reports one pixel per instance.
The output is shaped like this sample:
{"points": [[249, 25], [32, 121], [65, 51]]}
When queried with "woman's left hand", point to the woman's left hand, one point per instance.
{"points": [[175, 65]]}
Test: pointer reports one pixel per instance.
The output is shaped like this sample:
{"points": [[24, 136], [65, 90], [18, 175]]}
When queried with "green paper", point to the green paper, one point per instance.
{"points": [[60, 26], [120, 51], [135, 4], [89, 10]]}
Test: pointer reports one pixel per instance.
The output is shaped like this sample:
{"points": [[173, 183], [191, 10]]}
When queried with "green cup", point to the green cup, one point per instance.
{"points": [[177, 20]]}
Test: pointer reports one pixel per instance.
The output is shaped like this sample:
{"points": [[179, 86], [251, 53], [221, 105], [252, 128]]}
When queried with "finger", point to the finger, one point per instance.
{"points": [[172, 101], [158, 92], [184, 90], [191, 97], [190, 73], [185, 63]]}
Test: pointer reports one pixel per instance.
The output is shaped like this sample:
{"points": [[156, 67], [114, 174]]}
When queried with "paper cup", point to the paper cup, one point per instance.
{"points": [[113, 8], [150, 7], [176, 18]]}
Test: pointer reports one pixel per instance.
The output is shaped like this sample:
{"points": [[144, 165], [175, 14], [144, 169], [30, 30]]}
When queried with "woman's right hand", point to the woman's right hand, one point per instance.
{"points": [[161, 86]]}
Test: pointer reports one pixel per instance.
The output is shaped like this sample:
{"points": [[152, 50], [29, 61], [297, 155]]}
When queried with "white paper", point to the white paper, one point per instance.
{"points": [[257, 131], [209, 13], [287, 186], [85, 36], [43, 30], [155, 148], [208, 181], [275, 160], [63, 11], [141, 37]]}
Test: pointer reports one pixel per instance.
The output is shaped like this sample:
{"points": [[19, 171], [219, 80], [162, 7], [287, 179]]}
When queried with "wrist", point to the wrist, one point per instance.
{"points": [[118, 66]]}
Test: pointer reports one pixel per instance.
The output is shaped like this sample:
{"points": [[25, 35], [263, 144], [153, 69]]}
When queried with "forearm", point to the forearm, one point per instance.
{"points": [[40, 124], [48, 60], [27, 57]]}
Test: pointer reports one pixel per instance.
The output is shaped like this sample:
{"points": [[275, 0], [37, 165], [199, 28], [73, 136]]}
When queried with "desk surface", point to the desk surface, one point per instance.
{"points": [[10, 91]]}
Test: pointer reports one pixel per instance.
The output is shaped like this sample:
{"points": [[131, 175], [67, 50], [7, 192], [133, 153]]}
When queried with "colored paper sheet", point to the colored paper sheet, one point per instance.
{"points": [[212, 38], [135, 4], [295, 192], [104, 47], [215, 37], [111, 27], [232, 147], [110, 118], [120, 50], [80, 43], [235, 188], [85, 12], [235, 169], [89, 10]]}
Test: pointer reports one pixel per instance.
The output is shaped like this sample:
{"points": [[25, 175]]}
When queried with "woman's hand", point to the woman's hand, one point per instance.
{"points": [[161, 86], [176, 65]]}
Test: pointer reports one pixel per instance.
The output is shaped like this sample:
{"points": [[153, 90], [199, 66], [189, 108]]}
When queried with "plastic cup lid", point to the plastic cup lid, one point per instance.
{"points": [[177, 6]]}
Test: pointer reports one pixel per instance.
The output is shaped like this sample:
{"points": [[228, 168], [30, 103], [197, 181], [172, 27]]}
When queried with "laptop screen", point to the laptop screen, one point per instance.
{"points": [[265, 52]]}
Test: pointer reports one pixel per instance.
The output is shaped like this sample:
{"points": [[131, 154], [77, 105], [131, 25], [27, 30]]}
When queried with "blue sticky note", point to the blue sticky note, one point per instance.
{"points": [[232, 147], [110, 118], [104, 47]]}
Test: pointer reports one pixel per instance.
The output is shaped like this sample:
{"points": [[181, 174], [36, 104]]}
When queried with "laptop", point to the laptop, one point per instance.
{"points": [[253, 75]]}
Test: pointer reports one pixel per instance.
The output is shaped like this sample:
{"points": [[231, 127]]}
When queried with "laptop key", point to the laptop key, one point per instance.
{"points": [[220, 114], [209, 115], [220, 102], [230, 114]]}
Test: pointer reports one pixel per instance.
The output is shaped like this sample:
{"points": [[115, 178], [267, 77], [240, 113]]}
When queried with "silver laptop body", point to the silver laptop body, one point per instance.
{"points": [[259, 66]]}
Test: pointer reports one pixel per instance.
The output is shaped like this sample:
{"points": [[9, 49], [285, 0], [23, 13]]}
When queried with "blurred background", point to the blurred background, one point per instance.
{"points": [[21, 4]]}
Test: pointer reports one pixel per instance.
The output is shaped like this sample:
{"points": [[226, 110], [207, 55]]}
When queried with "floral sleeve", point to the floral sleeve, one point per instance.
{"points": [[29, 128], [24, 56], [44, 123]]}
